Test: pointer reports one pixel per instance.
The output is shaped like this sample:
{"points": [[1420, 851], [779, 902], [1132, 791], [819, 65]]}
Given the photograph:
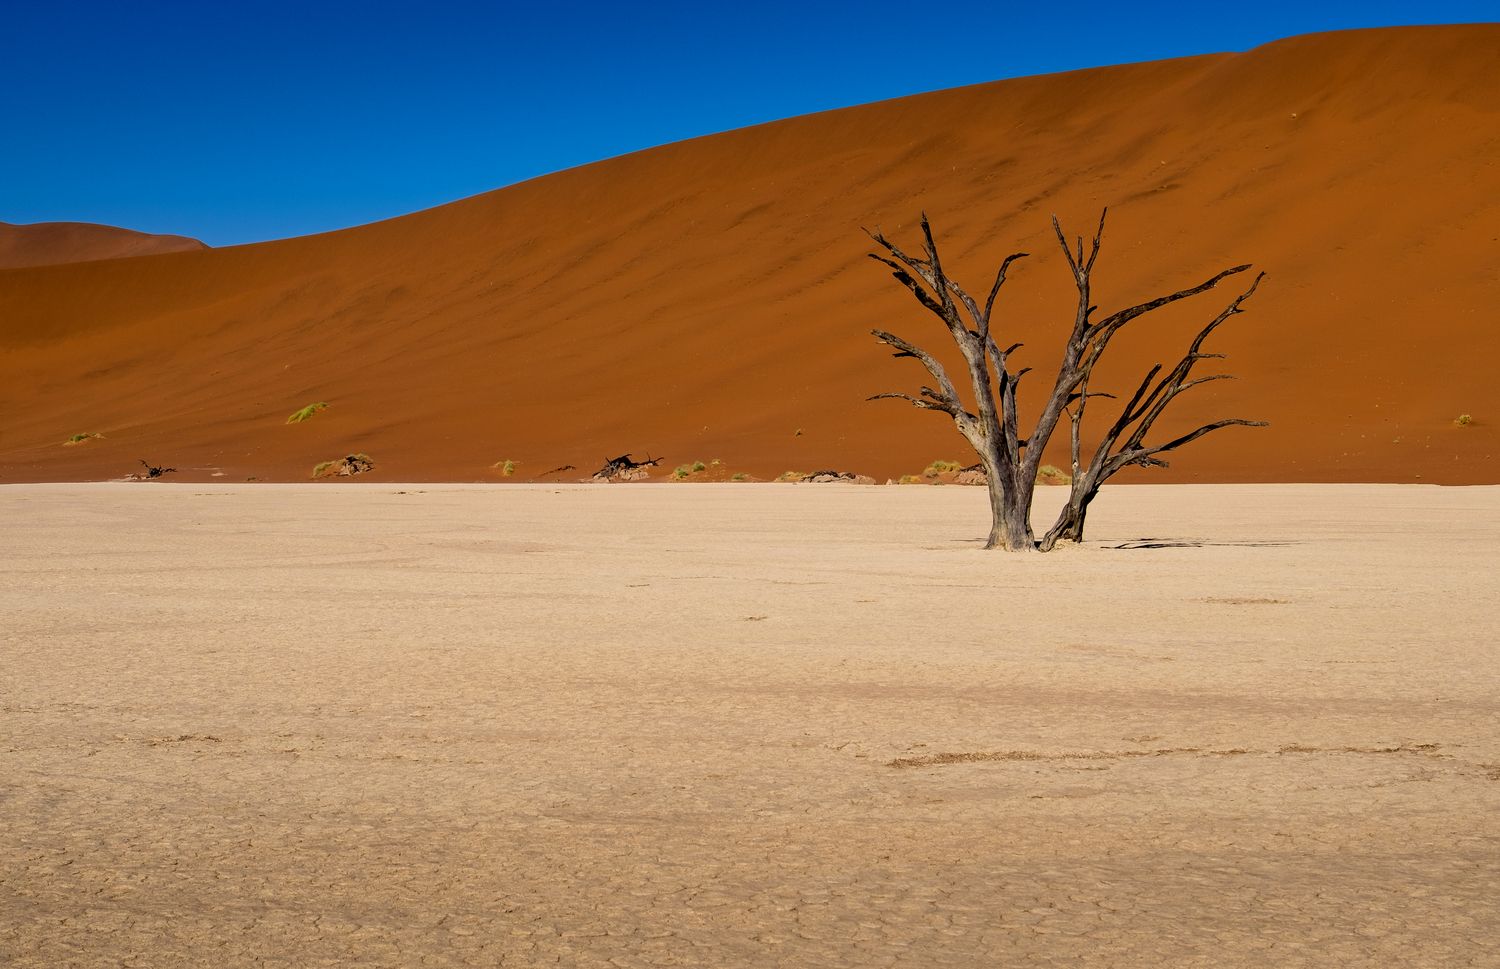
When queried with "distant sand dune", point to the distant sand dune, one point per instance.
{"points": [[712, 297], [53, 243]]}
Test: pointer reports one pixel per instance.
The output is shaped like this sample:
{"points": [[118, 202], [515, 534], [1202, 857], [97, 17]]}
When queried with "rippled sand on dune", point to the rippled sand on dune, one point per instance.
{"points": [[711, 298]]}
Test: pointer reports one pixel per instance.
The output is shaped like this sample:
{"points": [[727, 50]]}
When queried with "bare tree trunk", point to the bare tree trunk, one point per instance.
{"points": [[1069, 526], [1010, 511]]}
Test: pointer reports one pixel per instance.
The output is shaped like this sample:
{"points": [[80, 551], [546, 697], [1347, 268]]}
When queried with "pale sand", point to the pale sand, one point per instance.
{"points": [[640, 725]]}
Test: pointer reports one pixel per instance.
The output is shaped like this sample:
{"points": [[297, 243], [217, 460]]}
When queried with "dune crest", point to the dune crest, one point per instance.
{"points": [[712, 297], [55, 243]]}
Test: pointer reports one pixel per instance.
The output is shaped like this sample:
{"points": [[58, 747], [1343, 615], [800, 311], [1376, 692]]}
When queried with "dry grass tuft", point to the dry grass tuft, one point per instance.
{"points": [[301, 415], [941, 467]]}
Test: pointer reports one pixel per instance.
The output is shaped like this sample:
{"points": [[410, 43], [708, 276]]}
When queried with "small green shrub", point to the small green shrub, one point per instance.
{"points": [[911, 479], [941, 467], [739, 476], [322, 466], [791, 476], [81, 438], [506, 467], [1052, 474], [299, 416], [1464, 420], [699, 466]]}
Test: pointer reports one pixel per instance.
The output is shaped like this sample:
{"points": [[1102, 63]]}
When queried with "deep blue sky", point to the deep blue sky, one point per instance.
{"points": [[235, 121]]}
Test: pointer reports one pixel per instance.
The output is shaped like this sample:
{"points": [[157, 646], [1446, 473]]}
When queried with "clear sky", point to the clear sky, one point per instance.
{"points": [[241, 120]]}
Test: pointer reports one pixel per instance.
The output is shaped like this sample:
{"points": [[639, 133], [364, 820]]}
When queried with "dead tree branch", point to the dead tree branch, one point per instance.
{"points": [[991, 424], [623, 468], [1136, 420]]}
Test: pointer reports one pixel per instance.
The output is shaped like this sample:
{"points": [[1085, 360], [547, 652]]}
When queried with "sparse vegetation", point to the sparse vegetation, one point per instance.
{"points": [[1051, 474], [912, 479], [797, 432], [831, 476], [81, 438], [790, 476], [345, 467], [624, 468], [700, 466], [681, 472], [301, 415], [941, 467], [1464, 420], [739, 476], [506, 467]]}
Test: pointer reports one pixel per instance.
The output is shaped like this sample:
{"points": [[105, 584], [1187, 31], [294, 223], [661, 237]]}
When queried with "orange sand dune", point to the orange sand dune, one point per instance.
{"points": [[711, 299], [51, 243]]}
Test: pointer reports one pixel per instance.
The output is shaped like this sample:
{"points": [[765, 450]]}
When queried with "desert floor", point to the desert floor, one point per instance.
{"points": [[754, 725]]}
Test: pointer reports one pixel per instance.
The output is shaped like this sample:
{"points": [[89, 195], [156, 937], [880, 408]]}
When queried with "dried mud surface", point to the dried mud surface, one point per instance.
{"points": [[745, 726]]}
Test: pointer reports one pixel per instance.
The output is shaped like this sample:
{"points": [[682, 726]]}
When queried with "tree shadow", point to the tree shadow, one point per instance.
{"points": [[1142, 543]]}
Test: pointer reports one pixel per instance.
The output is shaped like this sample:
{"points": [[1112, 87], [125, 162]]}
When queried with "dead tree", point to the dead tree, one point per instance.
{"points": [[1010, 460], [624, 468], [153, 471], [1124, 444]]}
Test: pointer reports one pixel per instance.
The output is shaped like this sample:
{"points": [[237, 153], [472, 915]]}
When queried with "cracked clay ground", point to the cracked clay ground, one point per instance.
{"points": [[757, 725]]}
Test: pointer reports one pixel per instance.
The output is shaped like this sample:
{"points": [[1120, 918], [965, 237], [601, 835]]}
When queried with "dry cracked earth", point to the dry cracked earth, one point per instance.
{"points": [[745, 726]]}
